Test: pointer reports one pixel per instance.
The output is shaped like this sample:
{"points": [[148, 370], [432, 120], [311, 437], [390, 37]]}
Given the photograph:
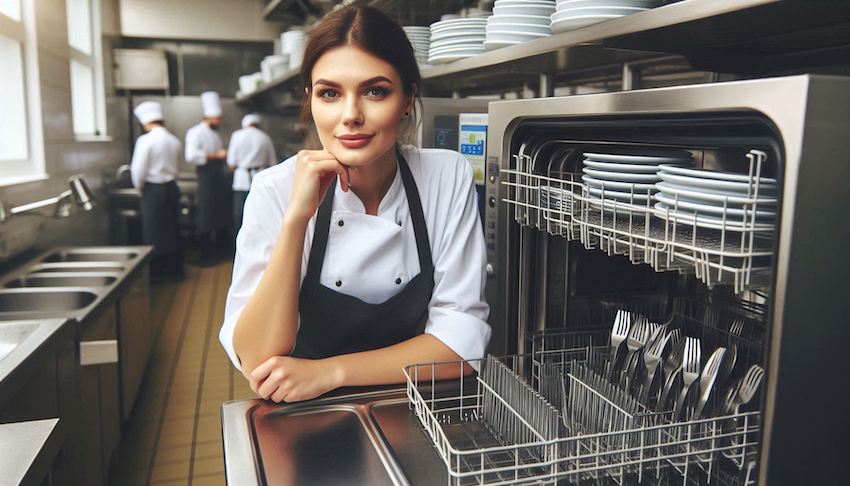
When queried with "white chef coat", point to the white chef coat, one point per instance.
{"points": [[156, 158], [200, 141], [250, 148], [368, 253]]}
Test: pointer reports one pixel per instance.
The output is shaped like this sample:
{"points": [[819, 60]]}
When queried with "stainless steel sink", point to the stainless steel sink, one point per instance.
{"points": [[55, 267], [63, 279], [43, 300], [91, 255], [13, 334]]}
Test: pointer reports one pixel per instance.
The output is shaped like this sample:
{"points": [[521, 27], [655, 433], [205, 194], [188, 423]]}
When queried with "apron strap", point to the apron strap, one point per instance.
{"points": [[323, 224]]}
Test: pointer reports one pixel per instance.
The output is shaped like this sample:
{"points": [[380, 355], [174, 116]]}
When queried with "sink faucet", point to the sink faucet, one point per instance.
{"points": [[78, 195]]}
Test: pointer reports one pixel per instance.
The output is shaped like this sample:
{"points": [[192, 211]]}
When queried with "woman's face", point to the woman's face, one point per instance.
{"points": [[358, 104]]}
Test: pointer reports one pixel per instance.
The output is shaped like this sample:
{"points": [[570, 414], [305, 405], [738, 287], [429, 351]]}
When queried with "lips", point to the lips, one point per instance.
{"points": [[356, 140]]}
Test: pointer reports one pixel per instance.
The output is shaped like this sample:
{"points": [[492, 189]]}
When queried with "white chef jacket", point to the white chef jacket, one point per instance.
{"points": [[250, 148], [200, 141], [368, 253], [156, 158]]}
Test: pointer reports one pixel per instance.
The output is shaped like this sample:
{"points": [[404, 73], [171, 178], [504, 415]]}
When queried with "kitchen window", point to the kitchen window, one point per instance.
{"points": [[87, 92], [21, 150]]}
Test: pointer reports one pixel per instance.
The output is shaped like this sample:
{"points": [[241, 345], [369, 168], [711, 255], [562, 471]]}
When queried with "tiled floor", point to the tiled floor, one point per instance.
{"points": [[174, 436]]}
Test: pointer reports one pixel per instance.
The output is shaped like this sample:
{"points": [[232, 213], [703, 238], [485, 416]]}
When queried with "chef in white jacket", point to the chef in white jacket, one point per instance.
{"points": [[205, 150], [250, 151], [156, 158]]}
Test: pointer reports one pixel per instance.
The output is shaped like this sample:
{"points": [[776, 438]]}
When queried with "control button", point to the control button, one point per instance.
{"points": [[341, 223], [490, 270], [492, 179], [398, 281], [339, 283], [492, 202]]}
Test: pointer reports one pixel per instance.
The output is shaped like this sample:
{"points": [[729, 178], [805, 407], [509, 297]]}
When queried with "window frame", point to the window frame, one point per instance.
{"points": [[94, 62], [32, 168]]}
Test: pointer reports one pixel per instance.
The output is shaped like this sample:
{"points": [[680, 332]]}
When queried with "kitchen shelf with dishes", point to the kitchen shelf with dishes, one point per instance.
{"points": [[655, 208], [625, 404]]}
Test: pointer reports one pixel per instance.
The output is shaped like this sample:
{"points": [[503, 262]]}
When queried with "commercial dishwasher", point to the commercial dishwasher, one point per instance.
{"points": [[593, 284]]}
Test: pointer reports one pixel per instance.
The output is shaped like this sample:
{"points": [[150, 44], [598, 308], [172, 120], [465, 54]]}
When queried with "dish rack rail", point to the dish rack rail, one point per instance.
{"points": [[569, 425], [737, 252]]}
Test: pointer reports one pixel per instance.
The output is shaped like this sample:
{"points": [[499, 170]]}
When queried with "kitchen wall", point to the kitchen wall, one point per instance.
{"points": [[64, 154], [236, 20]]}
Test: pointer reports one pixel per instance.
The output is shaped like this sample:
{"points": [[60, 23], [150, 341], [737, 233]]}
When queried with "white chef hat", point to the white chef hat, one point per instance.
{"points": [[251, 119], [148, 111], [211, 103]]}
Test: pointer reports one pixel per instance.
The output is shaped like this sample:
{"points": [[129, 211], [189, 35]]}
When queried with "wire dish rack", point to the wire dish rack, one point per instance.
{"points": [[567, 424], [732, 251]]}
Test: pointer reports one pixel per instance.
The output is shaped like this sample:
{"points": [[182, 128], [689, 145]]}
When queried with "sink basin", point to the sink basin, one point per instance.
{"points": [[29, 300], [83, 255], [13, 334], [77, 267], [62, 280]]}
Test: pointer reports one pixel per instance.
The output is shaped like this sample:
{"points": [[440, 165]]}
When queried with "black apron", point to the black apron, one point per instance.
{"points": [[160, 207], [214, 198], [333, 323]]}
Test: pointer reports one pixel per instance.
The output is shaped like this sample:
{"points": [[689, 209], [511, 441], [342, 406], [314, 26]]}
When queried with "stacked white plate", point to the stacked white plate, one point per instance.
{"points": [[250, 82], [716, 199], [455, 39], [293, 42], [517, 21], [628, 177], [573, 14], [420, 39], [274, 66]]}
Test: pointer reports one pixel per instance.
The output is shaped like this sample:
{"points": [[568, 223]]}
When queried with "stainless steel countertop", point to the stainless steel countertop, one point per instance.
{"points": [[27, 450]]}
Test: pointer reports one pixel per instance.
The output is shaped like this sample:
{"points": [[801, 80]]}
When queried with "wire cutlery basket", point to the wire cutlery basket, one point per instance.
{"points": [[724, 250], [567, 424]]}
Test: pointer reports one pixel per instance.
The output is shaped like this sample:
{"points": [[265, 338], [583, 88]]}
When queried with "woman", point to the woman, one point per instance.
{"points": [[346, 251]]}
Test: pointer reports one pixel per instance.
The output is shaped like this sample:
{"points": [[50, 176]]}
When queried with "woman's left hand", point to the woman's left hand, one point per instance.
{"points": [[287, 379]]}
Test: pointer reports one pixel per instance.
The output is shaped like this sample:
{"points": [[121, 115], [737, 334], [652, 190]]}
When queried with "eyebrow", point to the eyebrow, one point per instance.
{"points": [[364, 83]]}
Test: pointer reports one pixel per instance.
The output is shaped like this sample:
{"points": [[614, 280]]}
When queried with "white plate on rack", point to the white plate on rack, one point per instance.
{"points": [[741, 188], [494, 44], [446, 58], [671, 158], [609, 166], [453, 41], [710, 195], [519, 19], [620, 196], [597, 10], [567, 4], [719, 175], [702, 208], [459, 33], [712, 222], [620, 176], [637, 188], [520, 29]]}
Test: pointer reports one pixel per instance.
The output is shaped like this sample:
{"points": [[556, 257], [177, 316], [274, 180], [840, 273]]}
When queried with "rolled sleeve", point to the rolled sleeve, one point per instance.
{"points": [[458, 312], [195, 153]]}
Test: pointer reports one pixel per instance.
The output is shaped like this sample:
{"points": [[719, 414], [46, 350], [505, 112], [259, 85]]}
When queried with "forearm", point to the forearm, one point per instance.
{"points": [[269, 322], [384, 366]]}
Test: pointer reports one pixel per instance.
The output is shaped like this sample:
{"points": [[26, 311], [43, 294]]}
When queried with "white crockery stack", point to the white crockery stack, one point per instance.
{"points": [[517, 21], [457, 38], [420, 39], [292, 43], [574, 14]]}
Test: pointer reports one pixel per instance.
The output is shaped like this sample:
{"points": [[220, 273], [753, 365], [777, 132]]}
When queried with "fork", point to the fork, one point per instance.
{"points": [[731, 353], [708, 379], [749, 386], [690, 371], [619, 333], [638, 336], [670, 370], [651, 359], [633, 375]]}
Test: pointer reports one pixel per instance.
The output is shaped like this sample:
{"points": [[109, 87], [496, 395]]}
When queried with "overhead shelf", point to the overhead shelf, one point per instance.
{"points": [[729, 36]]}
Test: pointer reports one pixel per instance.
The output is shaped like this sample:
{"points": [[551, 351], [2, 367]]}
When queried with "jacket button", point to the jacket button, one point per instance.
{"points": [[341, 223], [339, 283], [398, 281]]}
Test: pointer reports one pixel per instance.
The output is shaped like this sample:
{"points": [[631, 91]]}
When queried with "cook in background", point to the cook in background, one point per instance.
{"points": [[156, 159], [250, 151], [205, 150]]}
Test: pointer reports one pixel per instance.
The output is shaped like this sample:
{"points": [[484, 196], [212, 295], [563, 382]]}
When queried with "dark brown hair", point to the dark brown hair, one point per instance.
{"points": [[370, 29]]}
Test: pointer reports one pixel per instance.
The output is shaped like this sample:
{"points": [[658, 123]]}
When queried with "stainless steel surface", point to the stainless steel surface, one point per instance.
{"points": [[44, 300], [76, 267], [708, 379], [27, 451], [91, 255], [79, 192], [20, 339], [66, 279], [13, 334]]}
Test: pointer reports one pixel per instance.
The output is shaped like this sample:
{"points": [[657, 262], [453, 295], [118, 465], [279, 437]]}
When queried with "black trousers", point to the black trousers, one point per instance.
{"points": [[160, 206]]}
